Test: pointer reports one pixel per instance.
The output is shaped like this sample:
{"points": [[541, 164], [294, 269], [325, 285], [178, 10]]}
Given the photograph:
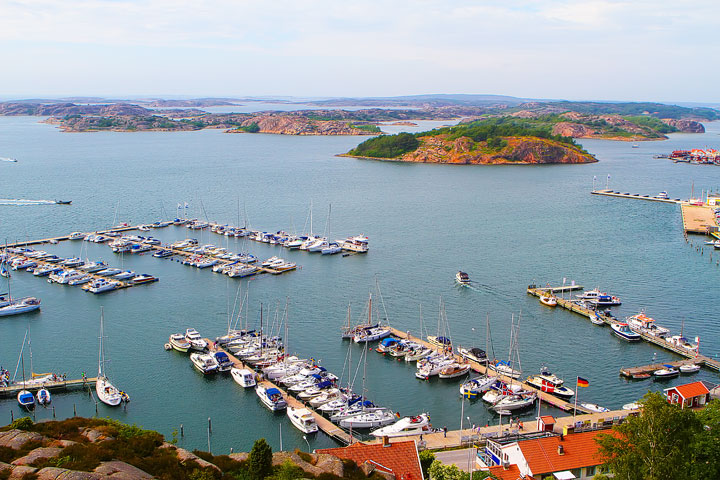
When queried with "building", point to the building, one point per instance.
{"points": [[690, 395], [543, 455], [398, 460]]}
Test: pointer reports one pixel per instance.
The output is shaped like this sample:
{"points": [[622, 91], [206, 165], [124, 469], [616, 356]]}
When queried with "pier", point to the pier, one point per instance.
{"points": [[661, 342], [636, 196], [698, 219], [482, 369], [329, 428], [641, 372], [55, 385]]}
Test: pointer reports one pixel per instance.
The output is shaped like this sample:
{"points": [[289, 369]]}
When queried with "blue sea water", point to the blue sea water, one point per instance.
{"points": [[507, 226]]}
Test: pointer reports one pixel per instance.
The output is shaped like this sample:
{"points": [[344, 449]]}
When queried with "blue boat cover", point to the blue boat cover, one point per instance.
{"points": [[388, 341], [222, 357], [316, 376], [272, 391], [443, 340], [324, 384]]}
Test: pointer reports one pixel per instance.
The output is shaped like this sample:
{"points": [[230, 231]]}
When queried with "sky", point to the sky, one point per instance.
{"points": [[635, 50]]}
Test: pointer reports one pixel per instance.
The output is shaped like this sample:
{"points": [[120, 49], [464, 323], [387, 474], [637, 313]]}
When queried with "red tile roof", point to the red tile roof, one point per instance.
{"points": [[512, 473], [690, 390], [580, 450], [399, 457], [547, 419]]}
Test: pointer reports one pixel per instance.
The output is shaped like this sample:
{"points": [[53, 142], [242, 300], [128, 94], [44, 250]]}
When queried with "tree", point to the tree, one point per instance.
{"points": [[707, 443], [426, 459], [440, 471], [656, 445], [259, 461]]}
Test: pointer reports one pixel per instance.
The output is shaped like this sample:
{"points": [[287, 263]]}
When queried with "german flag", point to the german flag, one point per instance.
{"points": [[581, 382]]}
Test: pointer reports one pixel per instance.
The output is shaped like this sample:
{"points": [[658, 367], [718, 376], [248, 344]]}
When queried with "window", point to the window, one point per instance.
{"points": [[590, 471], [576, 472]]}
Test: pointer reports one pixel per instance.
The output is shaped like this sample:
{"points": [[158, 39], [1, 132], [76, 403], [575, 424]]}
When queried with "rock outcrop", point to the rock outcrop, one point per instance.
{"points": [[298, 125], [41, 453], [685, 125], [15, 439]]}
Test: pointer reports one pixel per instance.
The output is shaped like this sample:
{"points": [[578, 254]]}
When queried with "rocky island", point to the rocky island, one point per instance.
{"points": [[483, 142]]}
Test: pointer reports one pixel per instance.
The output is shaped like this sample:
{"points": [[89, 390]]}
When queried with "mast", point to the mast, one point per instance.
{"points": [[101, 352], [370, 310]]}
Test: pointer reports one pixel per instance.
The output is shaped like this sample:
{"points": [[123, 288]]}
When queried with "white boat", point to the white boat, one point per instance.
{"points": [[641, 323], [472, 388], [358, 244], [242, 271], [326, 397], [432, 368], [45, 270], [682, 342], [101, 285], [689, 368], [515, 402], [548, 299], [462, 278], [204, 362], [106, 391], [93, 267], [454, 370], [77, 236], [632, 406], [82, 279], [302, 419], [179, 343], [195, 339], [72, 262], [406, 426], [108, 272], [475, 354], [331, 249], [271, 397], [503, 368], [595, 319], [662, 196], [43, 396], [622, 330], [593, 407], [243, 377], [318, 245], [26, 399], [65, 277], [143, 278], [667, 372], [369, 419], [550, 383], [124, 275], [372, 334], [21, 305]]}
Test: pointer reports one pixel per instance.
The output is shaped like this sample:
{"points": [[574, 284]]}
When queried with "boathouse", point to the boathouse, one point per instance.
{"points": [[690, 395]]}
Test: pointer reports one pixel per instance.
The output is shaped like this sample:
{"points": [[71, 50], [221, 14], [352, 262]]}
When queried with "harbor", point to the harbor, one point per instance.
{"points": [[60, 384]]}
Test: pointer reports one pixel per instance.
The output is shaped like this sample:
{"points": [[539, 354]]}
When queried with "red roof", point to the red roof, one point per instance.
{"points": [[580, 450], [512, 473], [547, 419], [401, 458], [690, 390]]}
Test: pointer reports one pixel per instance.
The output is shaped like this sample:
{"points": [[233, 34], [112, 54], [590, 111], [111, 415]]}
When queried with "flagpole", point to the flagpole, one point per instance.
{"points": [[577, 392]]}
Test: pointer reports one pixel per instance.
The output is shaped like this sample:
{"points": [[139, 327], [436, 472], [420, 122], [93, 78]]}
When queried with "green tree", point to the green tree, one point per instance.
{"points": [[707, 443], [426, 459], [259, 461], [440, 471], [656, 445]]}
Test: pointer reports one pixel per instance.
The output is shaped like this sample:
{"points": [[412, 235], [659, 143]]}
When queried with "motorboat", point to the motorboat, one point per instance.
{"points": [[285, 266], [595, 319], [65, 276], [372, 334], [622, 330], [593, 407], [472, 388], [143, 278], [407, 426], [243, 377], [462, 278], [503, 368], [331, 249], [692, 368], [302, 419], [454, 370], [101, 285], [475, 354], [80, 280], [548, 299], [45, 270], [196, 341], [684, 343], [369, 419], [93, 267], [386, 344], [326, 397], [318, 245], [668, 371], [21, 305], [223, 361], [515, 402], [26, 399], [77, 236], [272, 261], [52, 259], [317, 390], [124, 275], [417, 353], [632, 406], [434, 367], [242, 271], [163, 254], [43, 396], [641, 323], [204, 362], [108, 272], [550, 383], [179, 343], [72, 262], [271, 397], [662, 196], [440, 341], [357, 244], [606, 301]]}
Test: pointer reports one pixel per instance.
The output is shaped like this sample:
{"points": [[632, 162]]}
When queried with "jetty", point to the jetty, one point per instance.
{"points": [[482, 369], [698, 219], [329, 428], [645, 370], [59, 384], [702, 360], [52, 240], [636, 196]]}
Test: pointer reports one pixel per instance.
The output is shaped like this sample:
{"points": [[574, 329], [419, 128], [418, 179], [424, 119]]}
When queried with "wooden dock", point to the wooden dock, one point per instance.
{"points": [[698, 219], [661, 342], [482, 369], [636, 196], [56, 385], [67, 237], [640, 372], [329, 428]]}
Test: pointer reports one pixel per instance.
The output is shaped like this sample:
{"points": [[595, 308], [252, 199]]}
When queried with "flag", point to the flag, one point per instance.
{"points": [[547, 387], [581, 382]]}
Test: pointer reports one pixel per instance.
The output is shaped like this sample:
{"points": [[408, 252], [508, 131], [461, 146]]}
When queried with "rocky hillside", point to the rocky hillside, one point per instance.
{"points": [[299, 125], [98, 449]]}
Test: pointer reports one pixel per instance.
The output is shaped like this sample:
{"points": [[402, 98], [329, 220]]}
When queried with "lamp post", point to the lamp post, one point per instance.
{"points": [[471, 460], [308, 443]]}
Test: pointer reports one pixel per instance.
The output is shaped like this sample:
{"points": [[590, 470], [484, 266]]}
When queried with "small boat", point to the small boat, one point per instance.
{"points": [[43, 396], [462, 278], [124, 275], [475, 386], [515, 402], [662, 196], [63, 202], [82, 279], [143, 278], [692, 368], [606, 301], [593, 407], [26, 399], [454, 370], [632, 406], [475, 354], [548, 299], [108, 272], [668, 372], [369, 419], [302, 419], [440, 341], [196, 341], [595, 319], [204, 362], [101, 285], [550, 383], [106, 391], [243, 377], [331, 249], [622, 330], [641, 323], [271, 397], [223, 361], [406, 426], [93, 267], [357, 244], [371, 334], [72, 262], [22, 305], [163, 254], [503, 368], [179, 343], [77, 236]]}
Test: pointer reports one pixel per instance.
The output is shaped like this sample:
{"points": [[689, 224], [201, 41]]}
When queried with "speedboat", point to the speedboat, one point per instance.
{"points": [[178, 342], [406, 426], [692, 368], [101, 285], [243, 377], [93, 267], [124, 275], [623, 331], [84, 278], [22, 305], [369, 419], [163, 254], [143, 278], [475, 354], [196, 341], [109, 272], [550, 383], [77, 236], [454, 370], [302, 419], [26, 399], [462, 278], [271, 397], [43, 396], [475, 386], [331, 249], [548, 299], [593, 407], [204, 362], [667, 372], [606, 301]]}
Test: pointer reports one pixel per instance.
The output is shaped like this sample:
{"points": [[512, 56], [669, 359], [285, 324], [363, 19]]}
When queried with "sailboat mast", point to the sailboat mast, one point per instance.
{"points": [[101, 353], [370, 310]]}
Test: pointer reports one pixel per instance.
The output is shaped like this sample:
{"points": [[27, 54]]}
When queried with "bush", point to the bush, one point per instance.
{"points": [[426, 459], [259, 461], [387, 146], [252, 128], [22, 423]]}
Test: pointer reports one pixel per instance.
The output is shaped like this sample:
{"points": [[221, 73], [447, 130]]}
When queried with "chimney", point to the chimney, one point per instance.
{"points": [[561, 450], [562, 437], [386, 441]]}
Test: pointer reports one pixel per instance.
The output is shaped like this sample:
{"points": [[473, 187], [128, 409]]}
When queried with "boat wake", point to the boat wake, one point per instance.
{"points": [[24, 201]]}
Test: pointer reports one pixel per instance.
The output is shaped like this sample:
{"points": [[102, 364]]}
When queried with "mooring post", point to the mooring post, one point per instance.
{"points": [[74, 411], [182, 430]]}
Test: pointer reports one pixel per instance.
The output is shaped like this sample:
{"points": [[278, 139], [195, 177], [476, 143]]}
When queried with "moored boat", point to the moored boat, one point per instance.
{"points": [[302, 419], [179, 343], [271, 397], [204, 362], [243, 377], [407, 426], [622, 330]]}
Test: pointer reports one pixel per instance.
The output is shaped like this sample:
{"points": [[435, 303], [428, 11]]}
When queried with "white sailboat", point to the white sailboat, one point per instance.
{"points": [[106, 391]]}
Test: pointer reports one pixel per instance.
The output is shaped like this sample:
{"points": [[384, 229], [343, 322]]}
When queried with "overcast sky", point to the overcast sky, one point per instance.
{"points": [[609, 50]]}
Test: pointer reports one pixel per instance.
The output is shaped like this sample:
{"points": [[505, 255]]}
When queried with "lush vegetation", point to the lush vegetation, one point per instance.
{"points": [[486, 130], [367, 128], [440, 471], [387, 146], [252, 128], [665, 442], [659, 110], [651, 122]]}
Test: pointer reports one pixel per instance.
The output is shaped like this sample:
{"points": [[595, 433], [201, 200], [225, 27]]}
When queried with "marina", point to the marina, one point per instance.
{"points": [[636, 196], [60, 384]]}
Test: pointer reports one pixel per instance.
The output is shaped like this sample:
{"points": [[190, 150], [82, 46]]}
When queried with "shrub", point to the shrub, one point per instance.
{"points": [[259, 461], [387, 146], [426, 459], [252, 128]]}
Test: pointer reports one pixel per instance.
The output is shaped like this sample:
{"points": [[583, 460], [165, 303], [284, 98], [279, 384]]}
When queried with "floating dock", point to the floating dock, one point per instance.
{"points": [[329, 428], [56, 385], [482, 369], [661, 342], [698, 219], [641, 372], [637, 196]]}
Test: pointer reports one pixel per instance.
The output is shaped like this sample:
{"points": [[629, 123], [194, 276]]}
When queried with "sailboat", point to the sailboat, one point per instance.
{"points": [[25, 398], [372, 331], [442, 339], [10, 306], [106, 391]]}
